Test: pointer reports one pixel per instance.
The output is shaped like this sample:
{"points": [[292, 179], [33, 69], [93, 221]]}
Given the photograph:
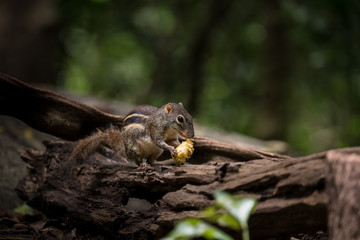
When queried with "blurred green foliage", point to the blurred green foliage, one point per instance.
{"points": [[190, 228], [229, 212], [24, 209], [271, 69]]}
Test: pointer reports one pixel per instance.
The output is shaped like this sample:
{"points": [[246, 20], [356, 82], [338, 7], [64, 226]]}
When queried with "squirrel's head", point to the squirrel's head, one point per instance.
{"points": [[181, 120]]}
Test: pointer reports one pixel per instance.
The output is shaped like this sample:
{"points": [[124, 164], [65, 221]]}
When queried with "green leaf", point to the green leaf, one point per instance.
{"points": [[211, 214], [209, 211], [240, 209], [227, 220], [24, 209], [193, 228]]}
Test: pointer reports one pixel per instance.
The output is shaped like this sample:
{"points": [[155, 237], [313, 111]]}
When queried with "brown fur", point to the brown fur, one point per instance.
{"points": [[147, 131], [110, 137]]}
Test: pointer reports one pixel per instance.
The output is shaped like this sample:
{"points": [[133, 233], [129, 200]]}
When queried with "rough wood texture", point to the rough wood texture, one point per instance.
{"points": [[143, 203], [343, 189], [49, 112]]}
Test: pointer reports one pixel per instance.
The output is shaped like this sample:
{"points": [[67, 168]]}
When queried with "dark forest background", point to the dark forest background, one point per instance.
{"points": [[286, 70]]}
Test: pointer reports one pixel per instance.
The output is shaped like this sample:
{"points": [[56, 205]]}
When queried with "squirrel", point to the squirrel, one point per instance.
{"points": [[146, 132]]}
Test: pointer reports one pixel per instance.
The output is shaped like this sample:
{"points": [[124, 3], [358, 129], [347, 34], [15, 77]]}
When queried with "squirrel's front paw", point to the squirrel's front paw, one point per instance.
{"points": [[173, 152], [144, 165]]}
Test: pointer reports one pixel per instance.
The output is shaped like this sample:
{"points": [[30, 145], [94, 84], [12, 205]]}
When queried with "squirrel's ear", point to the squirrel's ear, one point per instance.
{"points": [[180, 103], [168, 108]]}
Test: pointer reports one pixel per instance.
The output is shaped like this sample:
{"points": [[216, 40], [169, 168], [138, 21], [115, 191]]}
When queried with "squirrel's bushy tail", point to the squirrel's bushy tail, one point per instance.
{"points": [[110, 137]]}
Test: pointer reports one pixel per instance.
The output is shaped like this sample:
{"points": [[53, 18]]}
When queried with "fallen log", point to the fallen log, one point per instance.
{"points": [[123, 202]]}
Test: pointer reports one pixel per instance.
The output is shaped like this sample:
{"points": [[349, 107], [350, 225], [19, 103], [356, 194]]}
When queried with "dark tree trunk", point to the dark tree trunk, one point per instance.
{"points": [[28, 39], [198, 50], [272, 118]]}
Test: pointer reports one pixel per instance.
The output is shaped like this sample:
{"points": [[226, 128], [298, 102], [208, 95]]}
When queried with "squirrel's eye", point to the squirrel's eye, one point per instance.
{"points": [[180, 119]]}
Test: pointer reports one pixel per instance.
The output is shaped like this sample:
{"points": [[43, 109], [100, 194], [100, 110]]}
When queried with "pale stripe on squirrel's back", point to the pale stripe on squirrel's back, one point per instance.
{"points": [[139, 114], [135, 118]]}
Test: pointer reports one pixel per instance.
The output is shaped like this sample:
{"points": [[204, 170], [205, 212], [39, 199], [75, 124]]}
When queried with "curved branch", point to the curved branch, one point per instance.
{"points": [[214, 147], [49, 112], [57, 115]]}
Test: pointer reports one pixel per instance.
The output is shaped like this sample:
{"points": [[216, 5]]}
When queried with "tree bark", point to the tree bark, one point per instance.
{"points": [[343, 189], [130, 203], [49, 112]]}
